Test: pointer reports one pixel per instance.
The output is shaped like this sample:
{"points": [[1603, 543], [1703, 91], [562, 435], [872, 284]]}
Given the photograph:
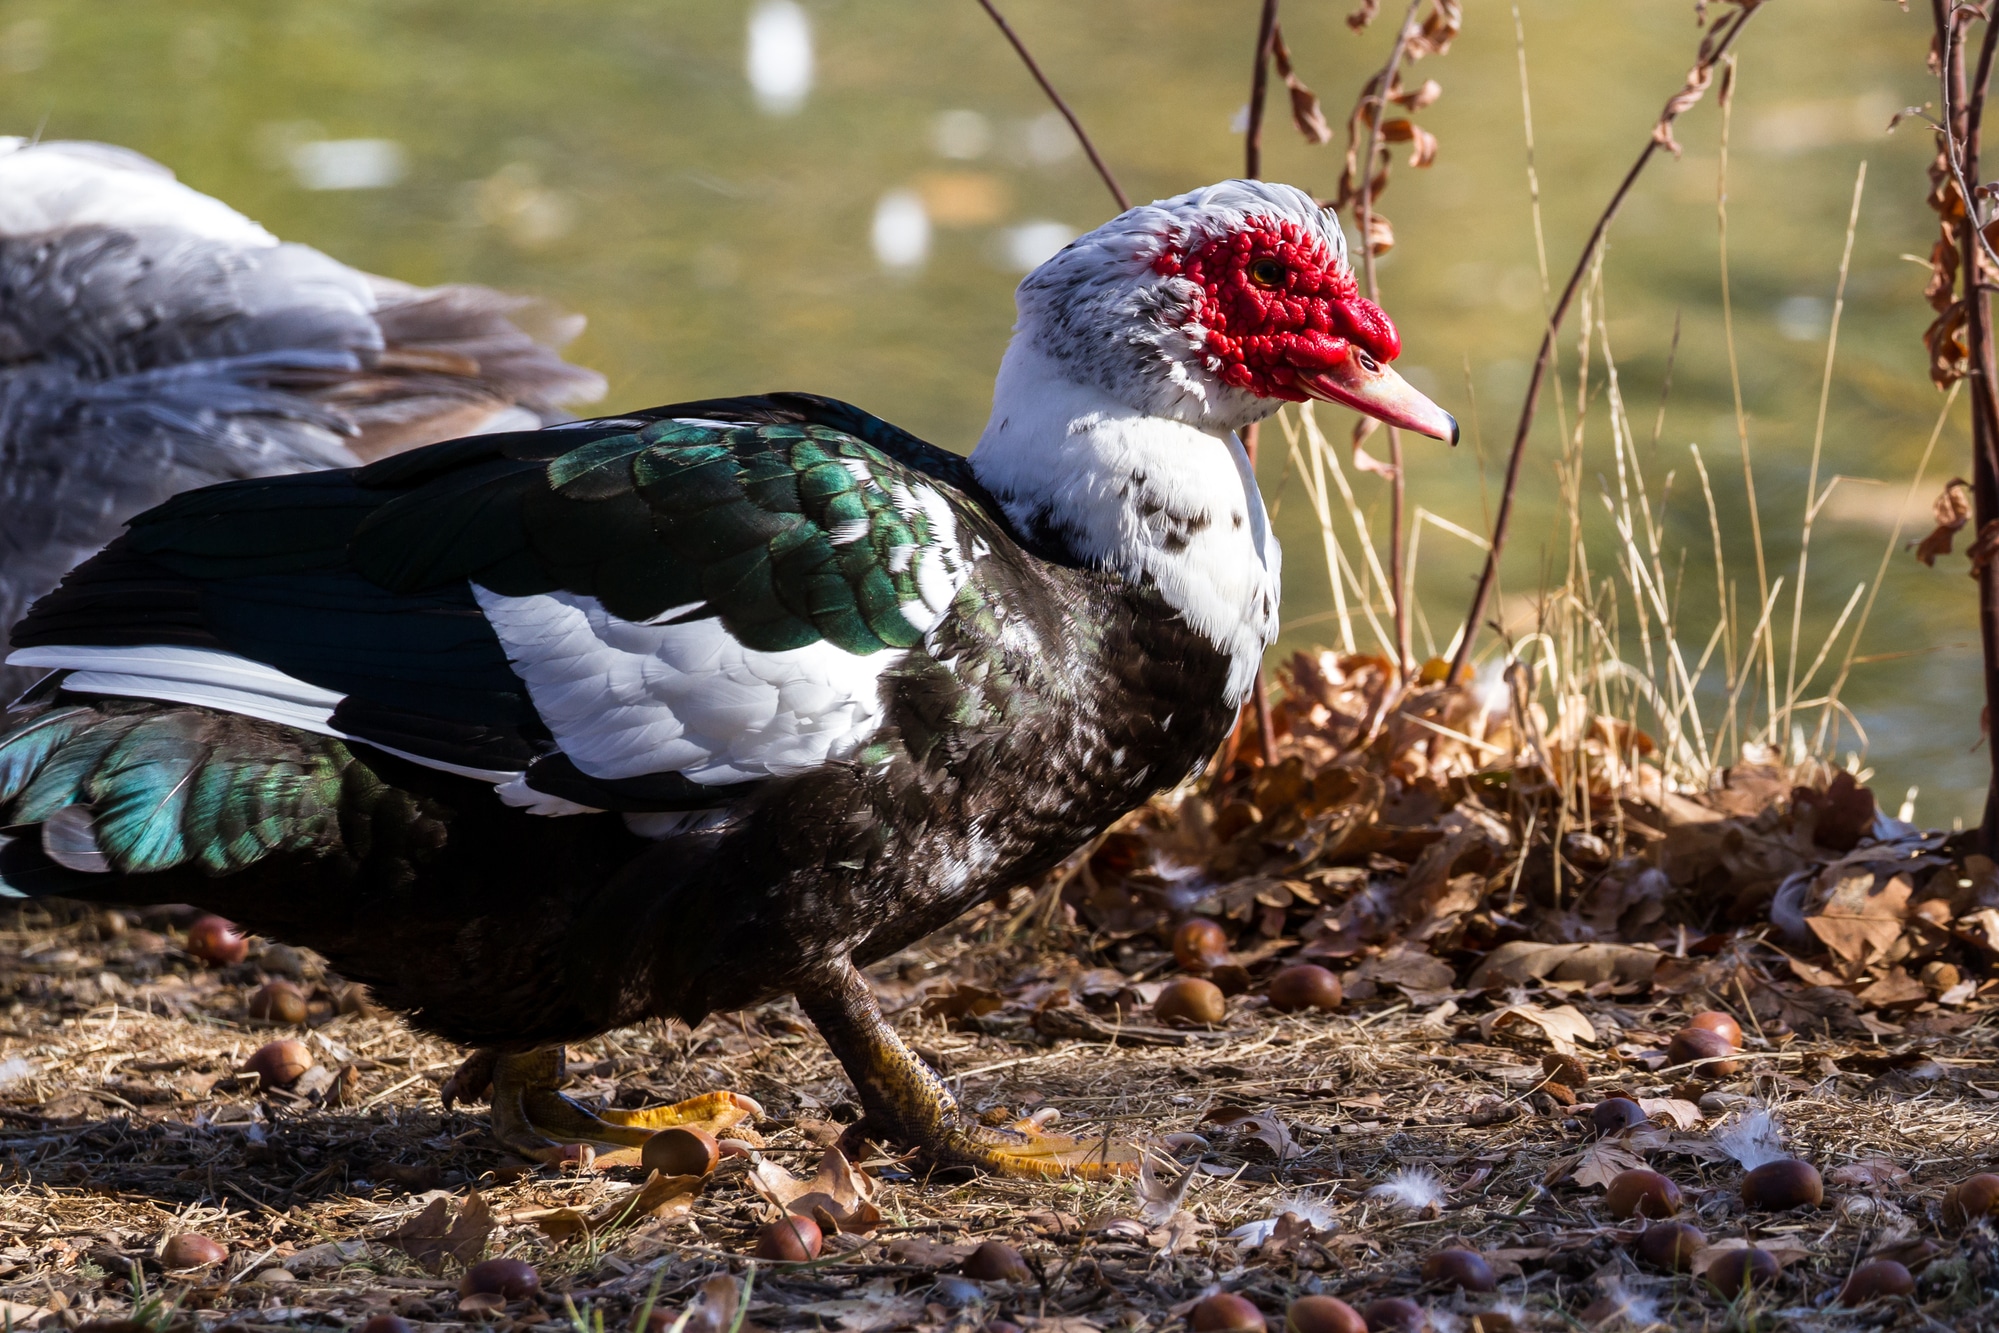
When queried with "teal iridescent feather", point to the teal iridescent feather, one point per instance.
{"points": [[166, 786]]}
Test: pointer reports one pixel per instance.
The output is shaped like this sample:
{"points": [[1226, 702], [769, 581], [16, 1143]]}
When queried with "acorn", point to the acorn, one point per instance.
{"points": [[1719, 1023], [1614, 1114], [1395, 1314], [278, 1002], [1191, 999], [1671, 1245], [1460, 1268], [1785, 1183], [1972, 1198], [191, 1250], [1304, 986], [1225, 1312], [279, 1064], [1940, 976], [792, 1239], [1641, 1193], [681, 1151], [387, 1323], [1690, 1044], [216, 940], [996, 1261], [1200, 944], [509, 1279], [1565, 1070], [1735, 1271], [1323, 1314], [1883, 1277]]}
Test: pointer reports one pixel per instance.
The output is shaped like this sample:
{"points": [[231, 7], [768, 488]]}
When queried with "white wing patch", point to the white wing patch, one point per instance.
{"points": [[625, 700], [199, 676]]}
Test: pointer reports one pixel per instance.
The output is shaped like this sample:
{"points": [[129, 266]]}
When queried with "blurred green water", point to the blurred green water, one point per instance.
{"points": [[611, 155]]}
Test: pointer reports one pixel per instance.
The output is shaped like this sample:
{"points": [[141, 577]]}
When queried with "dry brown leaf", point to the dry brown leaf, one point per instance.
{"points": [[433, 1235], [1953, 510], [713, 1309], [1408, 970], [1562, 1026], [1781, 1248], [1895, 987], [1872, 1173], [1524, 962], [921, 1253], [1422, 143], [1603, 1161], [838, 1190], [1416, 99], [1859, 921], [1683, 1114], [1306, 113], [659, 1197]]}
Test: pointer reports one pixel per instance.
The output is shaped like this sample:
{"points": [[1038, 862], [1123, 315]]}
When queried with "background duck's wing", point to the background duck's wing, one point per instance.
{"points": [[640, 613], [152, 339]]}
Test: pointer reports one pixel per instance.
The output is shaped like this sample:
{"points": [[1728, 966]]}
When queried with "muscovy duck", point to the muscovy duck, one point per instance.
{"points": [[153, 339], [543, 733]]}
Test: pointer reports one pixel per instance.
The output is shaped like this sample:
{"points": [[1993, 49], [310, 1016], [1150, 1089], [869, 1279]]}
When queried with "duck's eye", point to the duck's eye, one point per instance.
{"points": [[1267, 273], [1366, 362]]}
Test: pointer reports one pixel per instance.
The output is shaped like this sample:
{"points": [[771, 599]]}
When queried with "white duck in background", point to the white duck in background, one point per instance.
{"points": [[153, 339]]}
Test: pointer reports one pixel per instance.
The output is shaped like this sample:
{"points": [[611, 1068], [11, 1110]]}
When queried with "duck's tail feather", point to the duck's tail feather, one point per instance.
{"points": [[129, 788]]}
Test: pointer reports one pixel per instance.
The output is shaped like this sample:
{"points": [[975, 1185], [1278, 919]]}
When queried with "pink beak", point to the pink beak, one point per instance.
{"points": [[1366, 385]]}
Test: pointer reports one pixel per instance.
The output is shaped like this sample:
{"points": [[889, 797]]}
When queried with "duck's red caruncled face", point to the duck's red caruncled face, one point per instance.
{"points": [[1284, 319]]}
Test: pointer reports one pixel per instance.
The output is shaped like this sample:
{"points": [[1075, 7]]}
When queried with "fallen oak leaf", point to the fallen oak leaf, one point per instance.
{"points": [[1603, 1161], [844, 1194], [1781, 1248], [1683, 1114], [1562, 1026], [1872, 1173], [433, 1234], [659, 1197]]}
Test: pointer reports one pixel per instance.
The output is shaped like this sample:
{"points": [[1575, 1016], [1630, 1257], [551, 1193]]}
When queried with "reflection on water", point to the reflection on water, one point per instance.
{"points": [[839, 195]]}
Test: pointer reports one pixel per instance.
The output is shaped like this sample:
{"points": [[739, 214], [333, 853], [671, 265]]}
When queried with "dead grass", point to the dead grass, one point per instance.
{"points": [[128, 1126]]}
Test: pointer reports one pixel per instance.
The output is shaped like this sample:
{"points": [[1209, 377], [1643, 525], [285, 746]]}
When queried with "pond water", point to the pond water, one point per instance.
{"points": [[839, 195]]}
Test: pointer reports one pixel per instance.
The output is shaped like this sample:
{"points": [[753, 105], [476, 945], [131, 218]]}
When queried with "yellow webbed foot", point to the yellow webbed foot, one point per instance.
{"points": [[907, 1104], [533, 1119]]}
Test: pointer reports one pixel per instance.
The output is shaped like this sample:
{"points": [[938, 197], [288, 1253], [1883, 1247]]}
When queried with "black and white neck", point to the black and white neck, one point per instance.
{"points": [[1160, 501]]}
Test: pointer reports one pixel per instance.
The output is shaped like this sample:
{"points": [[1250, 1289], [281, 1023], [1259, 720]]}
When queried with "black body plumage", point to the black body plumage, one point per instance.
{"points": [[1048, 699]]}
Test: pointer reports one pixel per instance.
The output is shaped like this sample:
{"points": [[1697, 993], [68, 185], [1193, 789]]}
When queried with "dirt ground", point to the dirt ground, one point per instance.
{"points": [[1388, 1128]]}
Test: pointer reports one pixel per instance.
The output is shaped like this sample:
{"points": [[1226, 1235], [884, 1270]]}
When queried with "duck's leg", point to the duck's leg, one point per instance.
{"points": [[531, 1117], [904, 1102]]}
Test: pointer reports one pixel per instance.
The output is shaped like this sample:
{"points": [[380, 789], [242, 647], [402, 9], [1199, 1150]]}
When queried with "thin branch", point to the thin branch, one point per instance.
{"points": [[1259, 90], [1397, 566], [1020, 48], [1712, 53]]}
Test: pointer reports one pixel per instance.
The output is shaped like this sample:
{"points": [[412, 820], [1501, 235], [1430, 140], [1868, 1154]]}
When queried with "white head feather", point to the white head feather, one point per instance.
{"points": [[1101, 309]]}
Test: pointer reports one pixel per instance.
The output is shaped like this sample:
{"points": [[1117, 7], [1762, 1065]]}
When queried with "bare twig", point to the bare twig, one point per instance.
{"points": [[1259, 90], [1020, 48], [1713, 47], [1397, 569]]}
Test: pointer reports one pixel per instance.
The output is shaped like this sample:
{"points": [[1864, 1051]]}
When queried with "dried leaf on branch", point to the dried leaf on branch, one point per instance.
{"points": [[1306, 112], [1953, 511]]}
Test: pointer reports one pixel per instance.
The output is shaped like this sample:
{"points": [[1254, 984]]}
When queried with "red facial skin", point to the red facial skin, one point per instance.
{"points": [[1265, 336]]}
